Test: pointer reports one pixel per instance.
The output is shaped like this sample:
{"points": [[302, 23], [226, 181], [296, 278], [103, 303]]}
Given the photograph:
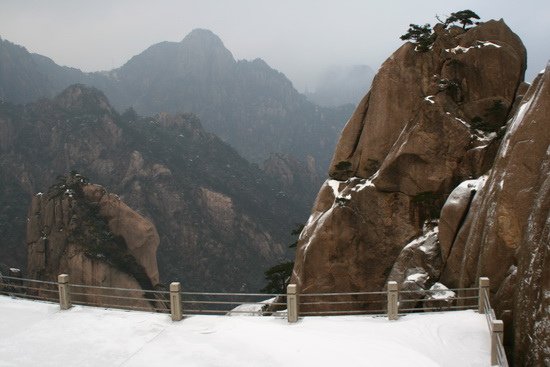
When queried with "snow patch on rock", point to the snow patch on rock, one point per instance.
{"points": [[439, 291], [429, 99], [318, 224], [463, 122], [418, 277], [422, 238], [477, 44], [363, 183], [335, 186], [517, 119]]}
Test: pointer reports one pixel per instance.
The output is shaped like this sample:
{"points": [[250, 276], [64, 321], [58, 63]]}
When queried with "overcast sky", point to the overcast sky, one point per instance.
{"points": [[298, 37]]}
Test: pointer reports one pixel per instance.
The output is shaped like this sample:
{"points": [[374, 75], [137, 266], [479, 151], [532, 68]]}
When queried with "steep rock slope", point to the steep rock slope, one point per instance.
{"points": [[219, 218], [505, 234], [297, 179], [26, 77], [28, 82], [81, 230], [412, 139]]}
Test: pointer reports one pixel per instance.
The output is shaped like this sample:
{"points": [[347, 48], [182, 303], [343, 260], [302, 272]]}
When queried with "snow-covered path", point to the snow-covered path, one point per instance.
{"points": [[34, 333]]}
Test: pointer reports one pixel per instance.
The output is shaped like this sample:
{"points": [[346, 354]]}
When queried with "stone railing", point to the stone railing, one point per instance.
{"points": [[390, 303], [496, 327]]}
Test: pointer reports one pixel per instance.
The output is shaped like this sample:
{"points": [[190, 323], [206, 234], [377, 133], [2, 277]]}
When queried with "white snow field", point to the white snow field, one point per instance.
{"points": [[34, 333]]}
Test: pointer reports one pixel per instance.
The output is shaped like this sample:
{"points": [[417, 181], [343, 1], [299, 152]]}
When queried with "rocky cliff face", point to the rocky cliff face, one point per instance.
{"points": [[504, 234], [297, 179], [81, 230], [219, 218], [411, 140], [431, 187]]}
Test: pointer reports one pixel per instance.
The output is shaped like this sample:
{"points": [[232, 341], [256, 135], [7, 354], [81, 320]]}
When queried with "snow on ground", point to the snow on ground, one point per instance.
{"points": [[34, 333]]}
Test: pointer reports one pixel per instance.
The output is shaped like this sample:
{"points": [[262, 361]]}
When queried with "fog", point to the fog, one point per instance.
{"points": [[300, 38]]}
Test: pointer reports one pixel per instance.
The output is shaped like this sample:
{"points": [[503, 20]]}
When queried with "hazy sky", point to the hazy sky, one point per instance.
{"points": [[298, 37]]}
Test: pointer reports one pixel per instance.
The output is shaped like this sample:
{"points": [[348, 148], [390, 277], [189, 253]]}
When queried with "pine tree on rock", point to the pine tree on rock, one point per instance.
{"points": [[463, 17], [420, 35]]}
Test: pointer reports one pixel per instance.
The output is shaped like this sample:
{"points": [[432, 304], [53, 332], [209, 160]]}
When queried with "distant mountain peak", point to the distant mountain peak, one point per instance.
{"points": [[203, 37], [85, 98]]}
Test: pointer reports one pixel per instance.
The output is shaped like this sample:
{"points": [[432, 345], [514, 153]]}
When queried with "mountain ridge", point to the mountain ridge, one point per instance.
{"points": [[250, 105], [221, 220]]}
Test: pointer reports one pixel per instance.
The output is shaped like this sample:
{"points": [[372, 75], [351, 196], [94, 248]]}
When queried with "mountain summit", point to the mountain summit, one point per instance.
{"points": [[247, 103], [204, 38], [201, 53]]}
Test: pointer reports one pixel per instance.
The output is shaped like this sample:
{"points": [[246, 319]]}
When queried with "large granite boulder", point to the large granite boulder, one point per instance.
{"points": [[471, 75], [425, 126], [140, 235], [454, 212], [417, 268], [350, 241], [94, 237]]}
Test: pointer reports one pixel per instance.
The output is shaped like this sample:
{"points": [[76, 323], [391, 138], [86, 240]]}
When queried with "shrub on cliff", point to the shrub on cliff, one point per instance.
{"points": [[70, 184]]}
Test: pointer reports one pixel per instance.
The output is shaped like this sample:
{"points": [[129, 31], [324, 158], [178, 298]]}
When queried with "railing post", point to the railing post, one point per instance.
{"points": [[175, 301], [483, 294], [497, 327], [292, 303], [64, 294], [392, 300]]}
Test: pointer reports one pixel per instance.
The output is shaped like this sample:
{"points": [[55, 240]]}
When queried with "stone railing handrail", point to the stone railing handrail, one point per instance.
{"points": [[496, 327], [18, 286], [180, 303]]}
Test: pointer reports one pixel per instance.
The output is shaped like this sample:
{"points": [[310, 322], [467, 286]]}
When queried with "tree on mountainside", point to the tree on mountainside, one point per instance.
{"points": [[423, 36], [129, 115], [420, 35], [463, 17], [278, 276], [70, 184]]}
